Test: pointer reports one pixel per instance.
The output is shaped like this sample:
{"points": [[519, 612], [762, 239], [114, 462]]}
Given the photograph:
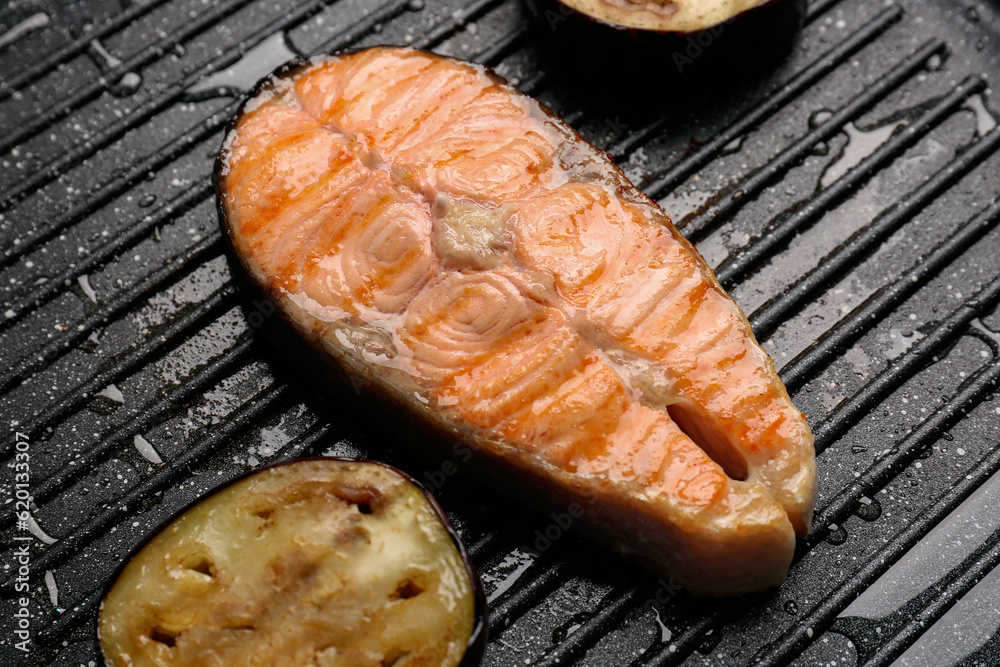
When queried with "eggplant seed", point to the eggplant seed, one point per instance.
{"points": [[163, 636], [200, 563], [407, 589]]}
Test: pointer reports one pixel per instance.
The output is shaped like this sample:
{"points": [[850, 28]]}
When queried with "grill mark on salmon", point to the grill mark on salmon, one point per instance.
{"points": [[453, 130], [415, 213]]}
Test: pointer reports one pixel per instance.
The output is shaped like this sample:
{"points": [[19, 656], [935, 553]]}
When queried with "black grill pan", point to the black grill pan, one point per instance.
{"points": [[848, 199]]}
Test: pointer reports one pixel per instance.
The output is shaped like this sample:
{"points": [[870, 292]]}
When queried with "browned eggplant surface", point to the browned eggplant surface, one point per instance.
{"points": [[318, 562]]}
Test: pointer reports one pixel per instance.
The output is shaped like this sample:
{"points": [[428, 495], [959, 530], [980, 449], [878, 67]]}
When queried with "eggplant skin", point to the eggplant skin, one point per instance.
{"points": [[628, 58], [316, 562]]}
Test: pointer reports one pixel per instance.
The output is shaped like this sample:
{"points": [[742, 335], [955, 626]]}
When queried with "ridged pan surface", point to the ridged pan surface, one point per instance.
{"points": [[847, 199]]}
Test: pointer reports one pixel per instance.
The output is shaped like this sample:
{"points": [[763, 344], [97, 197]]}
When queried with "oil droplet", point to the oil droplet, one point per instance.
{"points": [[733, 146], [84, 282], [710, 641], [819, 117], [147, 201], [901, 341], [860, 144], [37, 531], [50, 584], [837, 534], [146, 448], [791, 608], [665, 632], [869, 509], [560, 634], [127, 85], [245, 72], [985, 122], [33, 22]]}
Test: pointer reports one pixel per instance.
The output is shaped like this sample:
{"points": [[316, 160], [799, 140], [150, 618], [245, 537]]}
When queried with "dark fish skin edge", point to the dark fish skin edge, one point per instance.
{"points": [[631, 64], [477, 640]]}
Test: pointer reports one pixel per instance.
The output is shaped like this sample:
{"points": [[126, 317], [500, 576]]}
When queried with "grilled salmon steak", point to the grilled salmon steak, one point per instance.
{"points": [[428, 229]]}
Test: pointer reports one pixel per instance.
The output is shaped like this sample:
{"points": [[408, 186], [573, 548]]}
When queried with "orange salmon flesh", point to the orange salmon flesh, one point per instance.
{"points": [[418, 215]]}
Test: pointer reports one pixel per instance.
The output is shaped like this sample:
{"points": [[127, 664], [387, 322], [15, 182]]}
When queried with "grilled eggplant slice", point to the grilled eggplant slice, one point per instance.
{"points": [[315, 562], [438, 239], [629, 43]]}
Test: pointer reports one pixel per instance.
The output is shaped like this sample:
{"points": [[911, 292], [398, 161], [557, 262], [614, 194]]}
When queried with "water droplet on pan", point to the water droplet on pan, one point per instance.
{"points": [[733, 146], [146, 448], [837, 535], [33, 22], [560, 634], [127, 85], [869, 509], [860, 144], [819, 117], [985, 122], [245, 72]]}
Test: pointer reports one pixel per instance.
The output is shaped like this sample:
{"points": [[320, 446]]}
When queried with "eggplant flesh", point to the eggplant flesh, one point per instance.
{"points": [[315, 562]]}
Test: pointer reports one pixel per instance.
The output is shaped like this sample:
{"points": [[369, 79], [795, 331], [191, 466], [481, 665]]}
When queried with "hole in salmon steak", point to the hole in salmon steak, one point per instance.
{"points": [[713, 442]]}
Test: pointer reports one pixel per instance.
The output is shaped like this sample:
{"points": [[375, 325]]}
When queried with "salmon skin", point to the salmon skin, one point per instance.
{"points": [[424, 226]]}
